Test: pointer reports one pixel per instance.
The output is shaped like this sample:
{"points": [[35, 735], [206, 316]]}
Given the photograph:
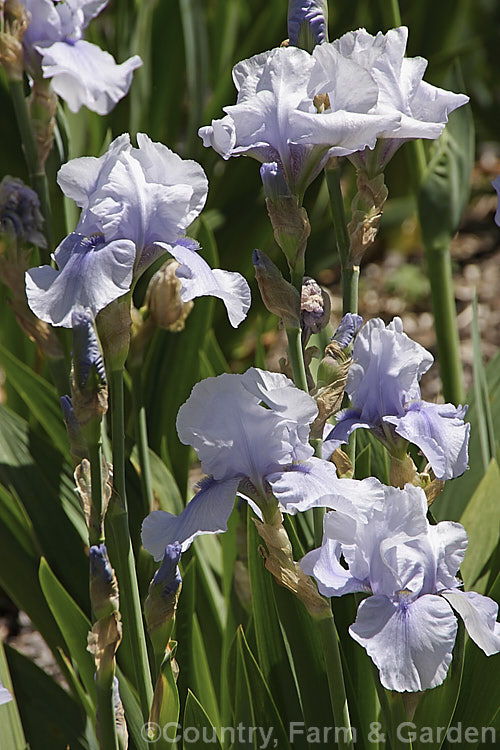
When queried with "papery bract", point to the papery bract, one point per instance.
{"points": [[136, 205], [408, 626], [80, 72], [250, 432], [383, 385]]}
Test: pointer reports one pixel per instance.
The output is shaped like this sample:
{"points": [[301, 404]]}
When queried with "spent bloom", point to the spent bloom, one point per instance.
{"points": [[251, 435], [408, 626], [311, 14], [383, 385], [20, 212], [276, 119], [136, 205], [80, 72]]}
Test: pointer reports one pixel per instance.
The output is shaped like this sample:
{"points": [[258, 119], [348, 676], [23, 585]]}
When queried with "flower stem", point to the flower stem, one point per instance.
{"points": [[329, 643], [96, 528], [121, 551], [350, 272], [297, 358], [445, 320], [37, 175], [141, 438], [106, 723]]}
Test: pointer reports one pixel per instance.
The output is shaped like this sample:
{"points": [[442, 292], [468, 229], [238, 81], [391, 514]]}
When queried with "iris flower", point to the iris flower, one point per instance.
{"points": [[383, 385], [81, 73], [5, 695], [136, 205], [275, 118], [251, 435], [408, 626], [423, 108]]}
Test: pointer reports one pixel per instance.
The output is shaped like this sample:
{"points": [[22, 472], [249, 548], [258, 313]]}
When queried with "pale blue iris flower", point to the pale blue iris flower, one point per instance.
{"points": [[275, 118], [408, 626], [136, 205], [251, 435], [383, 385], [81, 73]]}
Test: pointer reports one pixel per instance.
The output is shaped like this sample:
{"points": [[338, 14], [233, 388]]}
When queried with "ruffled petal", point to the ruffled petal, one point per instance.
{"points": [[91, 276], [332, 579], [479, 614], [84, 74], [411, 643], [199, 280], [206, 513], [441, 434], [314, 483], [449, 540]]}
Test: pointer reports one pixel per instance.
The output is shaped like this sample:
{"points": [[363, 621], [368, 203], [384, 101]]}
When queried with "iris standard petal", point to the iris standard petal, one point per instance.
{"points": [[199, 280], [206, 513], [91, 275], [411, 643], [83, 74], [440, 432], [332, 578], [479, 614]]}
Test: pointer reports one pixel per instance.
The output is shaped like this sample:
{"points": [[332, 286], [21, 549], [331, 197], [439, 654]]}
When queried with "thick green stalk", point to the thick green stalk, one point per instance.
{"points": [[37, 176], [445, 320], [350, 272], [124, 563], [141, 439], [106, 723], [297, 358], [331, 652], [96, 529]]}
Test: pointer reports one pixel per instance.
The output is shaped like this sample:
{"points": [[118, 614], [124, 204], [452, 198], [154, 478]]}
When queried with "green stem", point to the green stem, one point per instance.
{"points": [[297, 358], [141, 439], [106, 723], [124, 563], [445, 320], [331, 652], [350, 272], [37, 175], [96, 528], [390, 13]]}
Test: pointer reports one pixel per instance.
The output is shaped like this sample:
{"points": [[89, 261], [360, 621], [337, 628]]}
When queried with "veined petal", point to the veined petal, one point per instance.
{"points": [[479, 614], [91, 275], [440, 432], [84, 74], [410, 643], [199, 280], [206, 513]]}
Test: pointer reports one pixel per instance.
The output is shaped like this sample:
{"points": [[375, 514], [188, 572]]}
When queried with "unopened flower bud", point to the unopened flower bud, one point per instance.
{"points": [[15, 22], [278, 295], [103, 583], [347, 330], [163, 298], [20, 214], [161, 603], [88, 376], [77, 442], [290, 221], [307, 23], [113, 326]]}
